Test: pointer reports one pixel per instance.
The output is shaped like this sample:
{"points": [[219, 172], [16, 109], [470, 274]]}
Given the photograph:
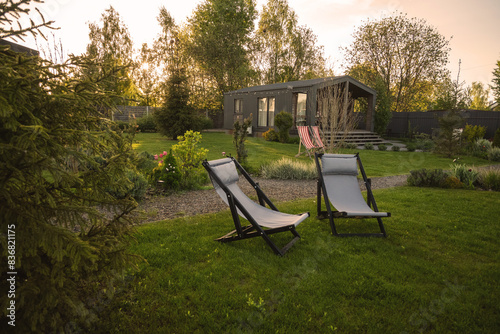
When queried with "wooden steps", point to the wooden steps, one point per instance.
{"points": [[358, 137]]}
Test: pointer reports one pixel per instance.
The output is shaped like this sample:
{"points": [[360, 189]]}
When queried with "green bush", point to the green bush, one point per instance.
{"points": [[205, 123], [135, 187], [411, 147], [382, 147], [395, 148], [146, 124], [369, 146], [480, 148], [490, 180], [270, 135], [189, 158], [466, 175], [284, 122], [428, 178], [494, 154], [453, 182], [496, 138], [166, 174], [239, 137], [288, 169], [145, 162], [472, 133], [351, 146]]}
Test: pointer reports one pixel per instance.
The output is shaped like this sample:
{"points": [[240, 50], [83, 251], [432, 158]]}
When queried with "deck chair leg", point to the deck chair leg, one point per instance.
{"points": [[381, 225]]}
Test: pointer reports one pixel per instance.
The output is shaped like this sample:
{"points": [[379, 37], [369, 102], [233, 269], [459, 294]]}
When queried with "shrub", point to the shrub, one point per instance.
{"points": [[411, 147], [453, 182], [382, 147], [166, 174], [288, 169], [351, 146], [466, 175], [447, 141], [395, 148], [239, 136], [270, 135], [472, 133], [490, 180], [145, 163], [369, 146], [480, 148], [284, 122], [428, 178], [494, 154], [496, 138], [146, 124], [189, 158], [136, 187]]}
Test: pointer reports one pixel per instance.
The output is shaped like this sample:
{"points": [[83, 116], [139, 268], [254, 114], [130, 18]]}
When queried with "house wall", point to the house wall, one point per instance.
{"points": [[284, 101]]}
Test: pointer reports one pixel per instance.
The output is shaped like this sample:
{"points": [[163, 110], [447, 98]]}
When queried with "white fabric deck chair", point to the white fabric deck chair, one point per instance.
{"points": [[305, 140], [337, 181], [263, 221]]}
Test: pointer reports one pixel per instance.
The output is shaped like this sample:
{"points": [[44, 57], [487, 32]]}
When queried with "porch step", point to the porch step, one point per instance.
{"points": [[358, 137]]}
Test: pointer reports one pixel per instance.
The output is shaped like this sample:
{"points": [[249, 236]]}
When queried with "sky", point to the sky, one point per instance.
{"points": [[472, 26]]}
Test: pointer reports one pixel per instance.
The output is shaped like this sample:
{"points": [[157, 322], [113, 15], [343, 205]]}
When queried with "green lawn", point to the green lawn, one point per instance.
{"points": [[437, 271], [260, 151]]}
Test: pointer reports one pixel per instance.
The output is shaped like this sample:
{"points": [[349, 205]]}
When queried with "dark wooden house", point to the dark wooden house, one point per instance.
{"points": [[299, 98]]}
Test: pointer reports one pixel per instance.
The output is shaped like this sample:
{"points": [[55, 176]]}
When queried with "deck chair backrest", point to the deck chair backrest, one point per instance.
{"points": [[225, 171], [317, 136], [340, 178], [344, 164], [305, 137]]}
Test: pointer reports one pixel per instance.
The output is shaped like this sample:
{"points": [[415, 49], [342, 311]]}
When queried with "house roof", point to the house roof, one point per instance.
{"points": [[19, 48], [361, 88]]}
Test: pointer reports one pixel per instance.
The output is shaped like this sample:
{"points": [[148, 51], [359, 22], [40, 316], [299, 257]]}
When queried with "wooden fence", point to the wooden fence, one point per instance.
{"points": [[427, 122]]}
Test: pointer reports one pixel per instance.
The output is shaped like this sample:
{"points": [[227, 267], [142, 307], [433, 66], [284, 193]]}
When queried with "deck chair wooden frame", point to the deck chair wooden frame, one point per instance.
{"points": [[263, 221], [307, 141], [349, 202]]}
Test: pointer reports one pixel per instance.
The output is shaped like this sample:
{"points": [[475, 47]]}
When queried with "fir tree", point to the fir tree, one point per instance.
{"points": [[176, 116], [65, 233]]}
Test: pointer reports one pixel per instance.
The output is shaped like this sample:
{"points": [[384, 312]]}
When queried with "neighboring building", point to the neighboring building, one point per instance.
{"points": [[299, 98], [19, 48]]}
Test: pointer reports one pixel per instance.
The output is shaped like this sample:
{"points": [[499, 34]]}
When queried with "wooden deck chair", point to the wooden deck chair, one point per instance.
{"points": [[338, 183], [305, 139], [263, 221], [317, 137]]}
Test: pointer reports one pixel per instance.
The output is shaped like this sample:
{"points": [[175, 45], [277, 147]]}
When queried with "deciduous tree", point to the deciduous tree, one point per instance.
{"points": [[111, 50], [408, 54], [283, 50], [219, 36], [495, 87], [479, 96]]}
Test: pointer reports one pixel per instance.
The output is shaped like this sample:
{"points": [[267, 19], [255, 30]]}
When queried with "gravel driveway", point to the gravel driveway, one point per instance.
{"points": [[196, 202]]}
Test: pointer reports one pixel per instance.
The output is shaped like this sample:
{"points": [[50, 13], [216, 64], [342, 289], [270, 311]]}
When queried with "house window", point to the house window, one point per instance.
{"points": [[299, 108], [238, 110], [266, 111]]}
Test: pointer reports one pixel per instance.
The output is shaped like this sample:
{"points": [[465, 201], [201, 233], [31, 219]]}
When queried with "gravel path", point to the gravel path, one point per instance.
{"points": [[192, 203]]}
